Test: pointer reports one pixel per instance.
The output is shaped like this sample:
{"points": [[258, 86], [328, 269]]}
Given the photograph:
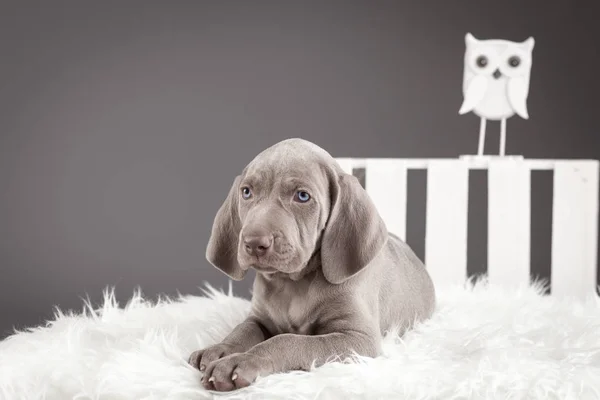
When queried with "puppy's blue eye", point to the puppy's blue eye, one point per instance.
{"points": [[302, 196], [246, 193]]}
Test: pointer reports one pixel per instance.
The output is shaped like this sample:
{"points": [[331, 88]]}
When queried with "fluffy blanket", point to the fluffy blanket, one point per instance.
{"points": [[483, 342]]}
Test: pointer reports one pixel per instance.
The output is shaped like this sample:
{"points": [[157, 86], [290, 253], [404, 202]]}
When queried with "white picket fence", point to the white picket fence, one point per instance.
{"points": [[574, 216]]}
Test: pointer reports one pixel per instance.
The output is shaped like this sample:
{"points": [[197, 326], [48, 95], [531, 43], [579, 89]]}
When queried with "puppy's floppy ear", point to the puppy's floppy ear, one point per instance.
{"points": [[355, 232], [223, 243]]}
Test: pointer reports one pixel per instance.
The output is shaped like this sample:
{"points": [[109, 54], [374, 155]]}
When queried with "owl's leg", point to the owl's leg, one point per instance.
{"points": [[502, 136], [481, 137]]}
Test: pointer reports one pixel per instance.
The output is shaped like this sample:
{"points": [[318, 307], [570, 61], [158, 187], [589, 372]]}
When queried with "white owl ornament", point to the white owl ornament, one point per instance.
{"points": [[496, 82]]}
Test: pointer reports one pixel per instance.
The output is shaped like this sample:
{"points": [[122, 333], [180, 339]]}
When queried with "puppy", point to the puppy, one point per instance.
{"points": [[330, 279]]}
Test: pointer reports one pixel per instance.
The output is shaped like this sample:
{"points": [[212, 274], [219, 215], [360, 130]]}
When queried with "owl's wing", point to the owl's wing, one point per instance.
{"points": [[517, 96], [474, 93]]}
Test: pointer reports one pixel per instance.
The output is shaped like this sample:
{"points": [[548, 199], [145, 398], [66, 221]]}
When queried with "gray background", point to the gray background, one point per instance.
{"points": [[123, 124]]}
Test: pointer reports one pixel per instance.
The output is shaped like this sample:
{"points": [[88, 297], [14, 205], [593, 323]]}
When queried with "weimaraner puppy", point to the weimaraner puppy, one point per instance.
{"points": [[330, 279]]}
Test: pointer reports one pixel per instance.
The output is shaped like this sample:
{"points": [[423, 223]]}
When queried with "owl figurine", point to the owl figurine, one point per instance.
{"points": [[496, 82]]}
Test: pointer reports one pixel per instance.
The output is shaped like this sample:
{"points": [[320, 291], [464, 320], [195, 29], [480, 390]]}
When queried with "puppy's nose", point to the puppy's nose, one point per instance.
{"points": [[258, 244], [497, 74]]}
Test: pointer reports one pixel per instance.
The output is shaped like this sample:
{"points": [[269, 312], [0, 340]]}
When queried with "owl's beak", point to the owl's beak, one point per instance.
{"points": [[497, 74]]}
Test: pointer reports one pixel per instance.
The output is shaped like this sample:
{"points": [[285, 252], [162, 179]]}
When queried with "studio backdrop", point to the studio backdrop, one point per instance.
{"points": [[123, 124]]}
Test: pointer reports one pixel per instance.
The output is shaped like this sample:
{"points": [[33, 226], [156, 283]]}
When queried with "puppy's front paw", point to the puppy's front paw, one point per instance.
{"points": [[235, 371], [202, 358]]}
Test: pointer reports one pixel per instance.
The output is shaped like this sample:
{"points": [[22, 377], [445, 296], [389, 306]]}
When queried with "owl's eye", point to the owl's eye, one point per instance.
{"points": [[302, 196], [482, 61], [514, 61], [246, 193]]}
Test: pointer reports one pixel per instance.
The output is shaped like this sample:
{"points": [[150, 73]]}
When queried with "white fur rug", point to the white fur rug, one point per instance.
{"points": [[482, 343]]}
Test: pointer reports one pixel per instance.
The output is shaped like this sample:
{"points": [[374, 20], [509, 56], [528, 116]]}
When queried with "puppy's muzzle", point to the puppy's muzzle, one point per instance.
{"points": [[258, 243]]}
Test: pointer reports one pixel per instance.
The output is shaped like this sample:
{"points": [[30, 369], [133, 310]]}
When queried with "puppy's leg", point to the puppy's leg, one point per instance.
{"points": [[287, 352], [298, 352], [243, 337]]}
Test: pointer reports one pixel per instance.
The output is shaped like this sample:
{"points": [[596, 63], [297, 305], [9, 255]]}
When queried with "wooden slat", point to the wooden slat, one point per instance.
{"points": [[386, 185], [446, 223], [509, 221], [346, 164], [574, 228], [473, 162]]}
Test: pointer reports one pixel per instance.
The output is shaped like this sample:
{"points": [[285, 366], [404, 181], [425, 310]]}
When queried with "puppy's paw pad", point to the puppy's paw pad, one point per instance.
{"points": [[223, 386], [239, 380]]}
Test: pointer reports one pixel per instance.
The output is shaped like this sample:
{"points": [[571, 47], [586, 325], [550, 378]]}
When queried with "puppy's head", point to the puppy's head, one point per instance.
{"points": [[292, 203]]}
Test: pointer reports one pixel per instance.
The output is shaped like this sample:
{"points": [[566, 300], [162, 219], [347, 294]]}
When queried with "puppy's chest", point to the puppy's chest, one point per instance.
{"points": [[292, 312]]}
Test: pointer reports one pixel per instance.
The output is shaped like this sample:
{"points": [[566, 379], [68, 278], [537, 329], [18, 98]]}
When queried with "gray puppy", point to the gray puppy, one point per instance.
{"points": [[330, 279]]}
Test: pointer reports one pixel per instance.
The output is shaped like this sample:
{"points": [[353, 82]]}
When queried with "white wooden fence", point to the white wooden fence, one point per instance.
{"points": [[574, 216]]}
